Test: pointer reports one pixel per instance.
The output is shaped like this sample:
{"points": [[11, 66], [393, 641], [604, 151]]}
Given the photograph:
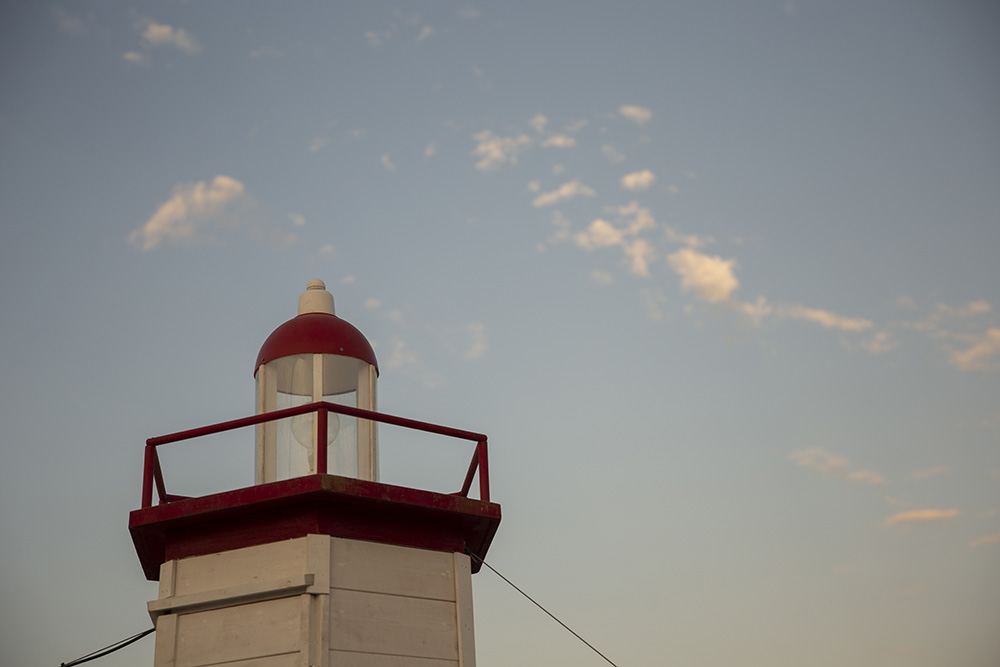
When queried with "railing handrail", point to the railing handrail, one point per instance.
{"points": [[153, 475]]}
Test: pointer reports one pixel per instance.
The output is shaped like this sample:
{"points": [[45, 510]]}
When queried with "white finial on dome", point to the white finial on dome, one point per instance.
{"points": [[316, 299]]}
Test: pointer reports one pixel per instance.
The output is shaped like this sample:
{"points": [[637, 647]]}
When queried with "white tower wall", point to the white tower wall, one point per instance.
{"points": [[316, 601]]}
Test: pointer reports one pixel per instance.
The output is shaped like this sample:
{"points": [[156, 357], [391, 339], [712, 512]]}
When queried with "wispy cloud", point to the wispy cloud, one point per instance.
{"points": [[919, 516], [821, 461], [160, 34], [869, 476], [565, 191], [69, 23], [387, 163], [880, 343], [195, 211], [631, 220], [477, 341], [981, 355], [636, 114], [602, 277], [494, 151], [135, 57], [826, 464], [318, 143], [612, 154], [824, 318], [943, 314], [400, 356], [326, 252], [559, 141], [986, 539], [538, 122], [638, 180], [929, 472], [709, 276], [653, 300], [600, 234]]}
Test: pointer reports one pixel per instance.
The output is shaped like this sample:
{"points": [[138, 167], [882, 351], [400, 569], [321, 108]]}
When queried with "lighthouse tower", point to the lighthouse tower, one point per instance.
{"points": [[318, 563]]}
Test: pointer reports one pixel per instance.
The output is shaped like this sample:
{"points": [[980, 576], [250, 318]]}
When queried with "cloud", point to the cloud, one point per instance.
{"points": [[916, 516], [980, 355], [881, 342], [639, 253], [297, 219], [636, 114], [633, 220], [565, 191], [430, 150], [820, 461], [638, 217], [825, 318], [373, 38], [826, 464], [326, 251], [692, 240], [600, 234], [400, 356], [160, 34], [710, 276], [612, 154], [652, 302], [317, 144], [602, 277], [638, 180], [425, 32], [756, 311], [944, 313], [539, 122], [387, 163], [194, 209], [494, 151], [477, 345], [559, 141], [929, 472], [267, 52], [68, 23], [135, 57], [869, 476], [987, 539]]}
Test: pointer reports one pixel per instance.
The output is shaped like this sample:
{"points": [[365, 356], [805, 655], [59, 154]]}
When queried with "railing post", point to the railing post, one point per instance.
{"points": [[147, 476], [321, 453], [484, 473]]}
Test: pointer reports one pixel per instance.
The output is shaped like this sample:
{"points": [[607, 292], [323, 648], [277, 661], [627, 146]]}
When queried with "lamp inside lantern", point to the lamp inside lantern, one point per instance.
{"points": [[316, 357]]}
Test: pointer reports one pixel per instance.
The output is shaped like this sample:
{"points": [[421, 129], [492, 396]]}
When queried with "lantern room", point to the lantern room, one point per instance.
{"points": [[316, 357]]}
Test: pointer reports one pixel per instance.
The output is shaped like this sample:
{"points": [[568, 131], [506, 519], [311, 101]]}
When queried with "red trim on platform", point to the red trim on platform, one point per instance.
{"points": [[316, 333], [315, 504]]}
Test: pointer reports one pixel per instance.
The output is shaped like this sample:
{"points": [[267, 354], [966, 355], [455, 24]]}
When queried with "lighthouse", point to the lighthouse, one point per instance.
{"points": [[317, 563]]}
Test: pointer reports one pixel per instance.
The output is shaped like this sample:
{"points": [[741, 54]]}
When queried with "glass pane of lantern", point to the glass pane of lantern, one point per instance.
{"points": [[292, 381]]}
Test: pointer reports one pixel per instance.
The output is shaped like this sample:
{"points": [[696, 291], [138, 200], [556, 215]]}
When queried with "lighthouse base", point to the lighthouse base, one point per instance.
{"points": [[316, 601]]}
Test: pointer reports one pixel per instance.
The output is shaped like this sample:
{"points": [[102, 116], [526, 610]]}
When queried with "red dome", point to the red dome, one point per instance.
{"points": [[316, 333]]}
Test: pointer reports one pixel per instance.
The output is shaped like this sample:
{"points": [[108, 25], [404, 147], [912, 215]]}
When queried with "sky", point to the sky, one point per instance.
{"points": [[718, 279]]}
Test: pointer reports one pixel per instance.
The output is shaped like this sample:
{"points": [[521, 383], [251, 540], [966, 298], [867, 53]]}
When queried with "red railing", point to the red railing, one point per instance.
{"points": [[152, 474]]}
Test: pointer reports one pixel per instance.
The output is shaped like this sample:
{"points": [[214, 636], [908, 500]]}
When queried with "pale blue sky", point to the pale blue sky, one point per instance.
{"points": [[719, 280]]}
